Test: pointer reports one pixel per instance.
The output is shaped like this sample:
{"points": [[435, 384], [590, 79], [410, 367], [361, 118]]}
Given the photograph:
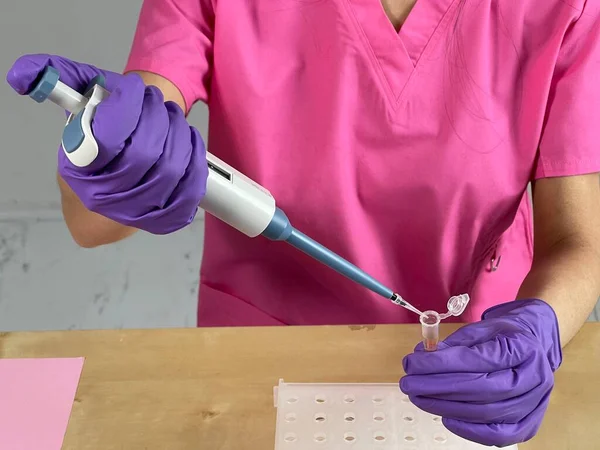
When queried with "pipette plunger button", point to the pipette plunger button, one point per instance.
{"points": [[46, 85]]}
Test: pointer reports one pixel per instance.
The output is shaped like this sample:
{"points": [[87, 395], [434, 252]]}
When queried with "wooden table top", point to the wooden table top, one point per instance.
{"points": [[213, 388]]}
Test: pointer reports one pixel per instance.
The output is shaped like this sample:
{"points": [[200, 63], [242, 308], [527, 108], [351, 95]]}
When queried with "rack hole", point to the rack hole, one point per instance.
{"points": [[379, 436], [349, 417], [405, 399], [320, 399], [290, 417], [290, 437], [320, 417], [320, 437], [379, 417], [350, 438], [292, 399], [440, 437], [437, 419], [349, 398], [410, 437], [408, 418], [377, 399]]}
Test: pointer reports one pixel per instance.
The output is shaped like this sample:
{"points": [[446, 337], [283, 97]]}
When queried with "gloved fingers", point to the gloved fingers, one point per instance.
{"points": [[132, 130], [26, 70], [480, 332], [115, 119], [484, 410], [194, 179], [176, 155], [156, 158], [420, 347], [177, 212], [479, 387], [173, 186], [127, 112], [500, 434], [182, 205], [495, 353]]}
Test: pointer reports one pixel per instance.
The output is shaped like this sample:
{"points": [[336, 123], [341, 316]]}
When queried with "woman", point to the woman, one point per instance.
{"points": [[401, 135]]}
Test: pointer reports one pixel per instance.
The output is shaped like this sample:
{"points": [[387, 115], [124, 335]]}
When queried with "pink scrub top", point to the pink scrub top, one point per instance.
{"points": [[408, 153]]}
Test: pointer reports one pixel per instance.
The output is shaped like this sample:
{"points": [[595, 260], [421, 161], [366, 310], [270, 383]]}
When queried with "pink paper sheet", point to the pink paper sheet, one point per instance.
{"points": [[36, 396]]}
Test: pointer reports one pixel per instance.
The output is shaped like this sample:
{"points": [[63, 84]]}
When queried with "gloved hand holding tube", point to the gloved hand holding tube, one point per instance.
{"points": [[151, 170], [490, 381]]}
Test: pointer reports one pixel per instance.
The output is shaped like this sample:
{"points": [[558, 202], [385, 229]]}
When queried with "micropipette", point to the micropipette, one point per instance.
{"points": [[230, 196]]}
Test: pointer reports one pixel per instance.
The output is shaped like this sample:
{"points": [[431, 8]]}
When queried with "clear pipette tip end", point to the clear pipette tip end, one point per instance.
{"points": [[398, 300]]}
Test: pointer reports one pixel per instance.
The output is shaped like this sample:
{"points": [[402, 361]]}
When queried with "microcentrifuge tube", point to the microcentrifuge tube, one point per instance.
{"points": [[430, 321], [430, 329]]}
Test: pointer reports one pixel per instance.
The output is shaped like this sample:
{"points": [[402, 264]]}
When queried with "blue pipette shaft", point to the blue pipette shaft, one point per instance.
{"points": [[281, 229], [337, 263]]}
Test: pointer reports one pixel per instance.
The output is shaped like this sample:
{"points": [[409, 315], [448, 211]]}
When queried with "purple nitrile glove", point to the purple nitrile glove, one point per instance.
{"points": [[151, 169], [490, 381]]}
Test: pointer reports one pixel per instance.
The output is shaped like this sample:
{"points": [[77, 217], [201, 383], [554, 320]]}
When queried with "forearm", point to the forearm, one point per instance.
{"points": [[88, 228], [566, 276]]}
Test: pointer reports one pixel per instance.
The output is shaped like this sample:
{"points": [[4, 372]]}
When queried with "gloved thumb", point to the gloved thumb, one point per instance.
{"points": [[26, 71], [116, 118]]}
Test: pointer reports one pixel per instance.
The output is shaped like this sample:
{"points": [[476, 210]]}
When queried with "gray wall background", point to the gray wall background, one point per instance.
{"points": [[46, 281], [98, 33]]}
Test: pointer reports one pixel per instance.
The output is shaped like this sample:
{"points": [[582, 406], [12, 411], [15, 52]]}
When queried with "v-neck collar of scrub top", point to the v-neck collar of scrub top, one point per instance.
{"points": [[397, 55]]}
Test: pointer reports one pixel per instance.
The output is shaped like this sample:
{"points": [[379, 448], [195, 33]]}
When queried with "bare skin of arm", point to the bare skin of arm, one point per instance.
{"points": [[88, 228], [566, 263]]}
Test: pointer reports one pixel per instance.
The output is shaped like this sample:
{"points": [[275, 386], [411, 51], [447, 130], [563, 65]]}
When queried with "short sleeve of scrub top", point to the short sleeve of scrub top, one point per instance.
{"points": [[174, 39], [407, 152], [570, 143]]}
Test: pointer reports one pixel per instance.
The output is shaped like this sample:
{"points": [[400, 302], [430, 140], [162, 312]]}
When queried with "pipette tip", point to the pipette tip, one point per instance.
{"points": [[398, 300]]}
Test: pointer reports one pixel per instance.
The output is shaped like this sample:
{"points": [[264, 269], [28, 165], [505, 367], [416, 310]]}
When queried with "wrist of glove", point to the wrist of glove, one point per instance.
{"points": [[491, 380], [151, 169]]}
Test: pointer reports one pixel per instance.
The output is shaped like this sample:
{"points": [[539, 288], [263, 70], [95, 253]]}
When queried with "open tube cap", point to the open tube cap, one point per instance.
{"points": [[456, 306]]}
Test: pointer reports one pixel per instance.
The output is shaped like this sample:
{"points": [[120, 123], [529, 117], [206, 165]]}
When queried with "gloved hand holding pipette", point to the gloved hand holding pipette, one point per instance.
{"points": [[151, 168], [140, 163]]}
